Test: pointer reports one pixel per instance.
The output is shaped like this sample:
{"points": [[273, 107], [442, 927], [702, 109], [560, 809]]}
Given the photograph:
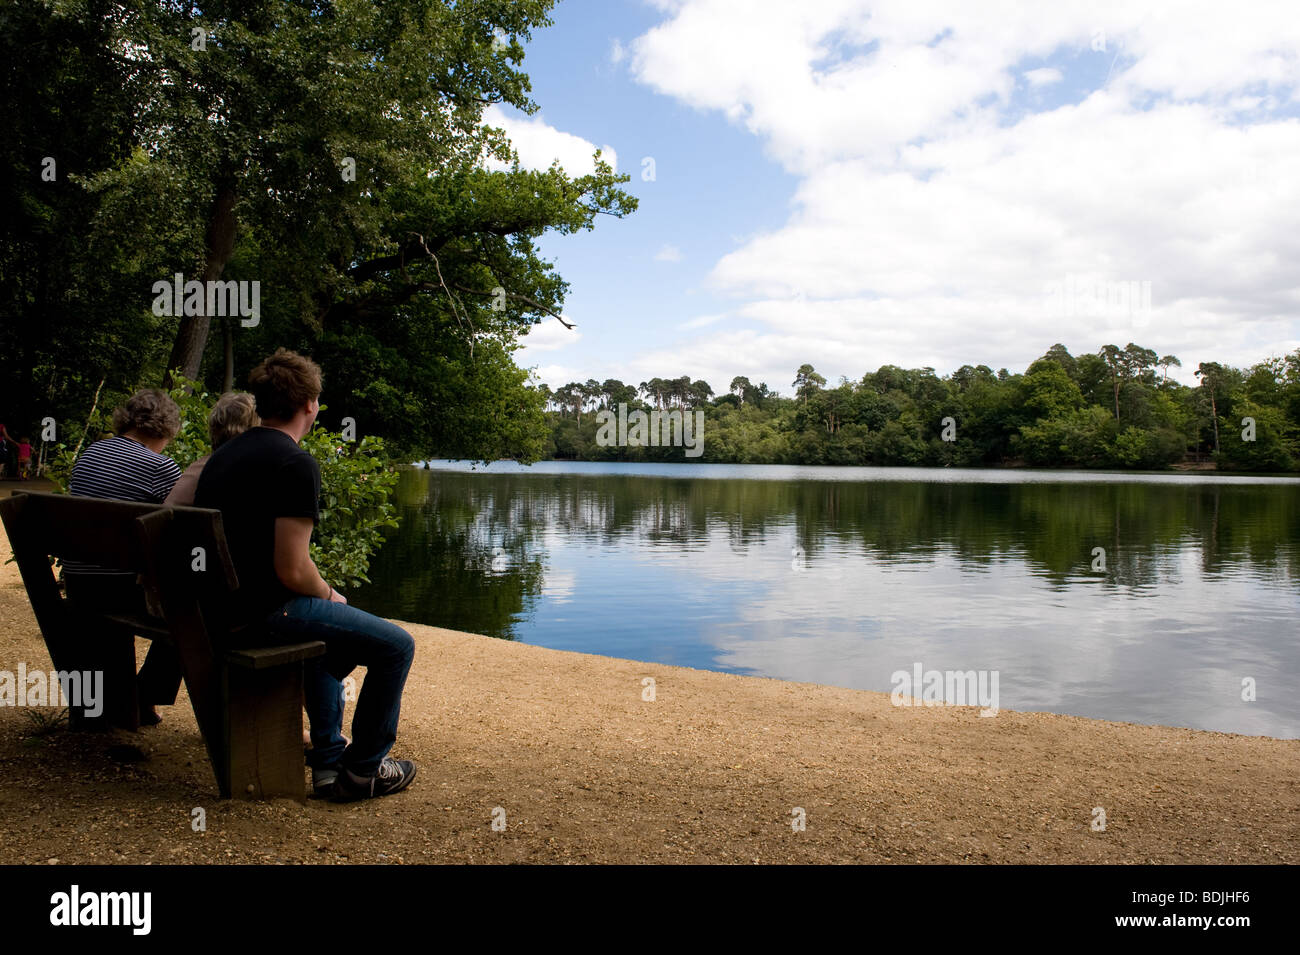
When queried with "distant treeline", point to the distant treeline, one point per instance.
{"points": [[1117, 408]]}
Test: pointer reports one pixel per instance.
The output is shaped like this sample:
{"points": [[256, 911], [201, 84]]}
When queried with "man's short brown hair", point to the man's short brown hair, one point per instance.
{"points": [[150, 412], [284, 383]]}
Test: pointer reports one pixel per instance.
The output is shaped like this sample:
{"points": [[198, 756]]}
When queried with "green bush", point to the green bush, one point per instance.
{"points": [[1130, 448], [1084, 438], [58, 466], [357, 484], [192, 442], [1267, 451]]}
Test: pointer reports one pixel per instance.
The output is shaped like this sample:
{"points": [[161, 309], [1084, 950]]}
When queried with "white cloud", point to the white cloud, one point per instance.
{"points": [[668, 253], [557, 376], [913, 69], [540, 144], [617, 52], [704, 320], [720, 357], [1044, 76], [549, 335], [930, 218]]}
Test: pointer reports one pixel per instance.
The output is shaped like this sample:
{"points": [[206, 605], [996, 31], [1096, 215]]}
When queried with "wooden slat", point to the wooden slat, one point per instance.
{"points": [[261, 658], [155, 628], [86, 529], [202, 527]]}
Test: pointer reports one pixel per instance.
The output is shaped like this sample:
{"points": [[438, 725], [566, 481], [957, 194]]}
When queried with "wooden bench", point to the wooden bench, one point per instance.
{"points": [[247, 696]]}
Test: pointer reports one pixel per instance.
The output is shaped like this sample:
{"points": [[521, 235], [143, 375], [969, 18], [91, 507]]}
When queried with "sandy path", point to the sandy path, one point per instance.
{"points": [[710, 771]]}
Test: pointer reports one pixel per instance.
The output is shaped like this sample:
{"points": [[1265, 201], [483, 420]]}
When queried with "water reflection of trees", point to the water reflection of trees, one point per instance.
{"points": [[459, 560], [440, 567]]}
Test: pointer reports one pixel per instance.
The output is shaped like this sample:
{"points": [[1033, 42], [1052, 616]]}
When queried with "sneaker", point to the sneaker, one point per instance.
{"points": [[394, 775], [323, 781]]}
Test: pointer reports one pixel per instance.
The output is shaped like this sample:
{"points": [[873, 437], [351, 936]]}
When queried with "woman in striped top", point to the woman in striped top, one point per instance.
{"points": [[130, 467]]}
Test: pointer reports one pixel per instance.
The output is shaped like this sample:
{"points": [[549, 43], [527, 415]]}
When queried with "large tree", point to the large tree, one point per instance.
{"points": [[336, 155], [807, 382], [1211, 374], [295, 118]]}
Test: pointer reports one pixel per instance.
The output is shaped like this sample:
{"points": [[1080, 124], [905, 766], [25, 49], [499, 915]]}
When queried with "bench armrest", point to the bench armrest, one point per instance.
{"points": [[260, 658], [152, 627]]}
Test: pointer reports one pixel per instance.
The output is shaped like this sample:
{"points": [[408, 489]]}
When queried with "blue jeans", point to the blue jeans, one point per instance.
{"points": [[352, 638]]}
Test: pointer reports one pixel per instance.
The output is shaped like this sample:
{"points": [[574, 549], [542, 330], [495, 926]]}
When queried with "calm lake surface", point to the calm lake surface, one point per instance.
{"points": [[844, 576]]}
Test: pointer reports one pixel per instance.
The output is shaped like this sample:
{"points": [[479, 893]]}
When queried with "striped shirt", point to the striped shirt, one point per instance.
{"points": [[120, 469]]}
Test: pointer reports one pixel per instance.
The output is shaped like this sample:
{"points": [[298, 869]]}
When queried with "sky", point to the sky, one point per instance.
{"points": [[850, 183]]}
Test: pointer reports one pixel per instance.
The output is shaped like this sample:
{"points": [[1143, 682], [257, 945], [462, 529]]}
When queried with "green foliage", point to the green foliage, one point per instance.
{"points": [[1078, 438], [1110, 410], [195, 403], [71, 316], [357, 483], [377, 230], [1048, 391], [58, 466], [1130, 447], [1270, 448], [453, 403]]}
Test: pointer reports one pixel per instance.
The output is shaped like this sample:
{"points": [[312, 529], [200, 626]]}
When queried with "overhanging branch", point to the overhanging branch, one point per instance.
{"points": [[523, 298]]}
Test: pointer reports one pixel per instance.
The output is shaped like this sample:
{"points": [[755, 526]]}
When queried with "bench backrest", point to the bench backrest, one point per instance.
{"points": [[84, 529], [188, 591], [121, 535]]}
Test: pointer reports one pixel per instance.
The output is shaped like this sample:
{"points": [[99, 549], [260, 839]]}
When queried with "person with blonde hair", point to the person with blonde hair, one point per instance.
{"points": [[233, 414]]}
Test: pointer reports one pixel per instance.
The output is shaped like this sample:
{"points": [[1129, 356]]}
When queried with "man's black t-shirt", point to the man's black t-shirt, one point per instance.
{"points": [[252, 479]]}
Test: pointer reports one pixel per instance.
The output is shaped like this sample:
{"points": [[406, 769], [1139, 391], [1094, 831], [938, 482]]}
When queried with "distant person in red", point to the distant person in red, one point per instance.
{"points": [[24, 459], [8, 454]]}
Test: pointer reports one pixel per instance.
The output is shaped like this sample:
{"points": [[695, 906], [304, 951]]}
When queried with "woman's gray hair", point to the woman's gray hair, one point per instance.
{"points": [[233, 414], [151, 412]]}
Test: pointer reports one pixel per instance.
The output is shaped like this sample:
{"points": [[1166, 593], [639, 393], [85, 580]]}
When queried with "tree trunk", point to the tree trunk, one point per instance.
{"points": [[1214, 411], [192, 336], [228, 342], [86, 430]]}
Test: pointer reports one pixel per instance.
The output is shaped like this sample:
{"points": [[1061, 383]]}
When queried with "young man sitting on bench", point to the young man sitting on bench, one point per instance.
{"points": [[268, 489]]}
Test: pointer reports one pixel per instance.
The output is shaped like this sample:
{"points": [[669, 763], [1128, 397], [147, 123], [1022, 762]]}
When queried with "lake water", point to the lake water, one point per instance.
{"points": [[848, 576]]}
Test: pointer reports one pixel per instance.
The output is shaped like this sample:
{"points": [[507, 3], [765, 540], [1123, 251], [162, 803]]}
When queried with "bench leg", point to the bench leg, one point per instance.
{"points": [[263, 751], [109, 650]]}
